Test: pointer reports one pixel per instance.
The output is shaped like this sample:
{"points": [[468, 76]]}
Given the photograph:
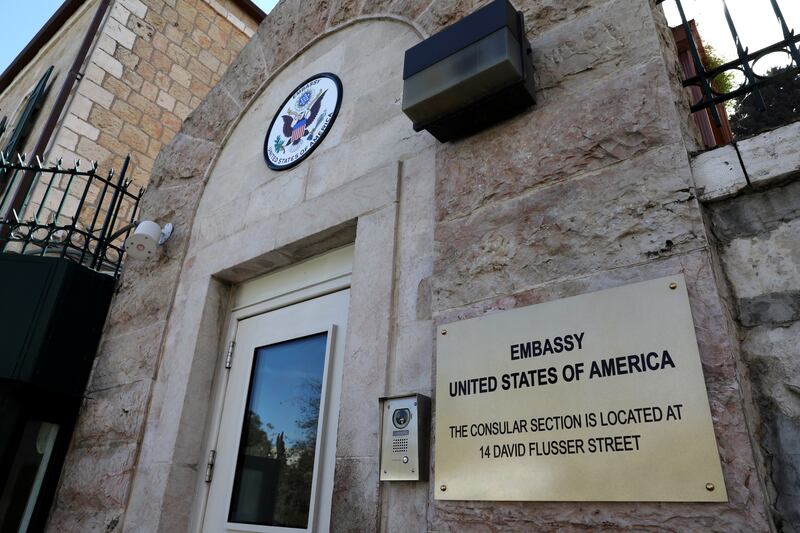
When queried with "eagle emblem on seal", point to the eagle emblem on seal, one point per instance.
{"points": [[297, 123], [302, 121]]}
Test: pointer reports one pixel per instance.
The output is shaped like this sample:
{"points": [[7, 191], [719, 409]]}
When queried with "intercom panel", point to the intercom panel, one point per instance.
{"points": [[405, 437]]}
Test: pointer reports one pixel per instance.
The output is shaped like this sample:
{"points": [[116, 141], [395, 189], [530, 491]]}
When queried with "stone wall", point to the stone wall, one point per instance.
{"points": [[151, 65], [754, 210], [590, 189]]}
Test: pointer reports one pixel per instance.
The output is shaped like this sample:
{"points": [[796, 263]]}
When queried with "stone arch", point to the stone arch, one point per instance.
{"points": [[159, 495]]}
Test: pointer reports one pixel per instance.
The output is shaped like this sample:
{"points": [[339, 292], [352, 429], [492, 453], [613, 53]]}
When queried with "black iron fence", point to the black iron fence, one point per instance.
{"points": [[744, 64], [72, 213]]}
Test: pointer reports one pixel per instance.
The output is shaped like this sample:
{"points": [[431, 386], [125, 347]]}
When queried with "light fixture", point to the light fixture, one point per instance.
{"points": [[146, 238], [470, 75]]}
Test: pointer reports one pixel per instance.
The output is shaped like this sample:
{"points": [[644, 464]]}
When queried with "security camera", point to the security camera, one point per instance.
{"points": [[146, 238], [401, 418]]}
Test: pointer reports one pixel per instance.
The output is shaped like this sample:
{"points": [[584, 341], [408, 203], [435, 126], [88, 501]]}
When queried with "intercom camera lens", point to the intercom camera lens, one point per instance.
{"points": [[401, 418]]}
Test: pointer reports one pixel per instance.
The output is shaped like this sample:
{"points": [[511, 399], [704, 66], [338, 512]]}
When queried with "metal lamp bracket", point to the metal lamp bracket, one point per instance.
{"points": [[166, 233]]}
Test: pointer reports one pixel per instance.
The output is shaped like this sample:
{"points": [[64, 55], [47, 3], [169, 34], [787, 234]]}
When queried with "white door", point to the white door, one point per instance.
{"points": [[277, 430]]}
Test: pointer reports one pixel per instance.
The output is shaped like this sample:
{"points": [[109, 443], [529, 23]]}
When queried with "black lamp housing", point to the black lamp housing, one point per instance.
{"points": [[471, 75]]}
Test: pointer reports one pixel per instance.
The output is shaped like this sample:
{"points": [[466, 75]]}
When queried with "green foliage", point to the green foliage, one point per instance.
{"points": [[723, 82]]}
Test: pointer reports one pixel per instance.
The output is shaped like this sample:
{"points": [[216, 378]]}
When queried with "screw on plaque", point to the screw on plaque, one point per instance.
{"points": [[444, 332], [710, 487], [673, 285], [443, 488]]}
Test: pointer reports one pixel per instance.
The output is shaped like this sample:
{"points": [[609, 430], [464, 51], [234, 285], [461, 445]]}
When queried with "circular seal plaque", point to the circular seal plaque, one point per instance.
{"points": [[302, 121]]}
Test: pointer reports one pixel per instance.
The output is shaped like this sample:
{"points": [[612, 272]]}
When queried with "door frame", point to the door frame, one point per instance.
{"points": [[313, 278]]}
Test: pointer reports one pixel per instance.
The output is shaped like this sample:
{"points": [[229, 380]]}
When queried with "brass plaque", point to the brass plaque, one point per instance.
{"points": [[598, 397]]}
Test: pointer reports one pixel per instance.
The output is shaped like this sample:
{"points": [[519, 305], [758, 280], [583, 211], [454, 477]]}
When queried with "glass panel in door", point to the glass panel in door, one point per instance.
{"points": [[275, 465]]}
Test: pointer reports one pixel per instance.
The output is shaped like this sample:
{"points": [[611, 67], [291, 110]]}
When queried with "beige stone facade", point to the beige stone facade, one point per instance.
{"points": [[153, 63], [592, 188]]}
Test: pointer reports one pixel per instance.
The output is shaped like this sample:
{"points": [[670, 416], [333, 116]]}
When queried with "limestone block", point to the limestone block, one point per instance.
{"points": [[415, 234], [81, 106], [597, 44], [755, 213], [178, 501], [212, 118], [288, 28], [773, 308], [368, 338], [184, 379], [407, 508], [412, 366], [119, 33], [371, 191], [66, 140], [127, 358], [781, 443], [718, 174], [544, 14], [73, 520], [107, 63], [282, 194], [491, 165], [772, 155], [113, 415], [135, 6], [97, 477], [385, 148], [771, 354], [135, 138], [241, 160], [186, 157], [355, 502], [370, 108], [441, 13], [343, 11], [225, 257], [409, 9], [765, 264], [263, 256], [624, 214], [144, 297], [141, 513], [219, 223], [81, 127]]}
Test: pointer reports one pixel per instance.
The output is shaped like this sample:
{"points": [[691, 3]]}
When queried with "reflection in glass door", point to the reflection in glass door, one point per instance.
{"points": [[276, 439], [275, 465]]}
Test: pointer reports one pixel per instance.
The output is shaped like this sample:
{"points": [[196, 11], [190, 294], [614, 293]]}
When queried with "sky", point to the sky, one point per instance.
{"points": [[29, 17]]}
